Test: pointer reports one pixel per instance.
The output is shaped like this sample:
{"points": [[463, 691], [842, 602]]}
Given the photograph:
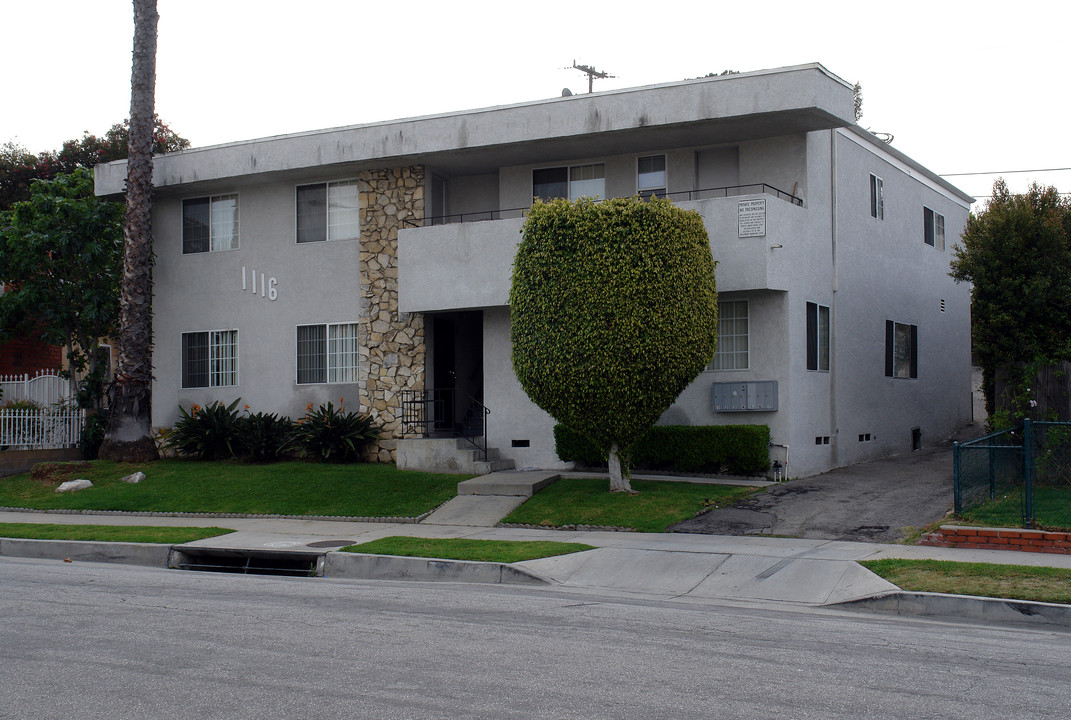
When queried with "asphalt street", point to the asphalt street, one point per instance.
{"points": [[106, 641]]}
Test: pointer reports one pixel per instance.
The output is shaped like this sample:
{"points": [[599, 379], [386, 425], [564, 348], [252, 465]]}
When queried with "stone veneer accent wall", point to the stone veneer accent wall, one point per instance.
{"points": [[392, 346]]}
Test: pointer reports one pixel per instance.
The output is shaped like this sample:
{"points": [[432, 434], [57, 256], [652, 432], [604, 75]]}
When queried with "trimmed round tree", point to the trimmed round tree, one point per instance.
{"points": [[614, 311]]}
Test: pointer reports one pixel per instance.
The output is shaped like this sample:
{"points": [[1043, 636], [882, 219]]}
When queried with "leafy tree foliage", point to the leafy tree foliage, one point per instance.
{"points": [[60, 259], [614, 312], [1017, 256], [19, 167]]}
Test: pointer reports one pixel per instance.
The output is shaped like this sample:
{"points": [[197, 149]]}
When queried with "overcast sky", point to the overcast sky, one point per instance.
{"points": [[963, 86]]}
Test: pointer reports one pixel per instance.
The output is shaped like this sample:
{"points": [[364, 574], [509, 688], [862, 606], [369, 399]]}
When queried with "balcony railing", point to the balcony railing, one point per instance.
{"points": [[683, 196]]}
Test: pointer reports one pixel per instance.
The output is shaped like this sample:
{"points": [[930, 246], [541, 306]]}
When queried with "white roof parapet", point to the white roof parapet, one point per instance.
{"points": [[778, 101]]}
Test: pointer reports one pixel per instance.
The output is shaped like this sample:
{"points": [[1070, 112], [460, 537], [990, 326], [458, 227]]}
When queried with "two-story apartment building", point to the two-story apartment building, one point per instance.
{"points": [[363, 263]]}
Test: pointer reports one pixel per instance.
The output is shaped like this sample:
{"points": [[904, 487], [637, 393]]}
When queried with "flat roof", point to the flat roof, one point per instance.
{"points": [[702, 111]]}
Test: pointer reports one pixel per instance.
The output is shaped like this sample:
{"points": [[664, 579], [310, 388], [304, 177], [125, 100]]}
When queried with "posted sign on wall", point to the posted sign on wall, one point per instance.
{"points": [[752, 218]]}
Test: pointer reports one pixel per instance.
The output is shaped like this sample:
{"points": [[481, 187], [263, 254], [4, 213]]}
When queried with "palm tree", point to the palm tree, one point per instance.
{"points": [[129, 436]]}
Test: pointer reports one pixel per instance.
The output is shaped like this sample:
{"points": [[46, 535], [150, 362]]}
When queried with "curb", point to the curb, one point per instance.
{"points": [[151, 554], [360, 566], [964, 607]]}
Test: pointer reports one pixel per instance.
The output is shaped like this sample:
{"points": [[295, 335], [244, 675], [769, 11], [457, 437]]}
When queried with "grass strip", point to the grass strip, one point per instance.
{"points": [[1052, 509], [1014, 582], [503, 551], [285, 488], [655, 506], [110, 533]]}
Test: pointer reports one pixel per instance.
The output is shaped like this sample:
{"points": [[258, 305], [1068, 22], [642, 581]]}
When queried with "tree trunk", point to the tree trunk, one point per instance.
{"points": [[619, 478], [129, 437]]}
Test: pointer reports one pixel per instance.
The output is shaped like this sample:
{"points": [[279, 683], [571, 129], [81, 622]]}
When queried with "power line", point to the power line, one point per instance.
{"points": [[1005, 172]]}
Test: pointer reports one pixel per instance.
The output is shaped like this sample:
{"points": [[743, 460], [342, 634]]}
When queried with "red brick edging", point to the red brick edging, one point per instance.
{"points": [[983, 538]]}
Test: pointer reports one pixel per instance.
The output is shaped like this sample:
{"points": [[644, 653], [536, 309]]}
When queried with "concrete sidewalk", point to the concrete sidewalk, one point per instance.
{"points": [[667, 566]]}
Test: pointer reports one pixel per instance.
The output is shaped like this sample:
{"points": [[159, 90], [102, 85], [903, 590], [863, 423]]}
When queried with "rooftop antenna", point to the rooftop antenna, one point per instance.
{"points": [[591, 72]]}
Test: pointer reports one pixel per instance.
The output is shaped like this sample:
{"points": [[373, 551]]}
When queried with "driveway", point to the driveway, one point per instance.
{"points": [[872, 501]]}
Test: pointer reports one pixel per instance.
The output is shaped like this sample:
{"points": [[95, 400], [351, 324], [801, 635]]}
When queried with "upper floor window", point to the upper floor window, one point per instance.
{"points": [[901, 350], [651, 176], [877, 197], [328, 211], [732, 352], [933, 228], [327, 353], [817, 337], [210, 359], [570, 183], [210, 224]]}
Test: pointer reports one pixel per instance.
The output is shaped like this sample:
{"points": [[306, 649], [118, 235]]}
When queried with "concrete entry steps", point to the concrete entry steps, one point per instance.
{"points": [[448, 455]]}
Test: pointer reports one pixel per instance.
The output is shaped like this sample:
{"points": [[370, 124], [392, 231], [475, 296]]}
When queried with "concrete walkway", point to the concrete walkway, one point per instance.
{"points": [[667, 566]]}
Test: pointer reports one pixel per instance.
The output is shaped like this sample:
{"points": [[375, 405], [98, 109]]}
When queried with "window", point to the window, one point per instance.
{"points": [[210, 359], [571, 183], [933, 228], [210, 224], [328, 211], [817, 337], [901, 350], [651, 176], [327, 353], [877, 197], [732, 352]]}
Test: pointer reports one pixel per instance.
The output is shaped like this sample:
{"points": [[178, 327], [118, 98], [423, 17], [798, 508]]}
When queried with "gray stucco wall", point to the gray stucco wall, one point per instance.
{"points": [[315, 282]]}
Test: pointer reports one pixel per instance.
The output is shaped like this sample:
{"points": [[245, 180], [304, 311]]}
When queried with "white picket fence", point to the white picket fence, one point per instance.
{"points": [[54, 422], [56, 427], [42, 388]]}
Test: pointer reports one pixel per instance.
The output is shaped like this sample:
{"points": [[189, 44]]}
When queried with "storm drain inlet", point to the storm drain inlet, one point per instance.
{"points": [[248, 562]]}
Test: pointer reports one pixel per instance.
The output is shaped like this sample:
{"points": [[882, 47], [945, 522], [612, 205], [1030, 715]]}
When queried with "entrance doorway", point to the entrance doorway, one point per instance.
{"points": [[456, 349]]}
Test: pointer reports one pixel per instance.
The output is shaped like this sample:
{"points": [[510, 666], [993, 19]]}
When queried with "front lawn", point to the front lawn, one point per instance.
{"points": [[503, 551], [1015, 582], [110, 533], [285, 488], [656, 506]]}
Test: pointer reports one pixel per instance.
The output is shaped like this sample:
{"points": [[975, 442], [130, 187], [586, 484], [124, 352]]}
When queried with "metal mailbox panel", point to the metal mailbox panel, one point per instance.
{"points": [[758, 396]]}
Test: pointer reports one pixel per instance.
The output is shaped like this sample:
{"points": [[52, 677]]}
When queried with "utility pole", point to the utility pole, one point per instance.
{"points": [[591, 72]]}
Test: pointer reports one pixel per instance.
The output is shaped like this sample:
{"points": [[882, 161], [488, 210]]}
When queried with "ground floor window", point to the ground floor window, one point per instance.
{"points": [[732, 352], [327, 353], [210, 358], [901, 350]]}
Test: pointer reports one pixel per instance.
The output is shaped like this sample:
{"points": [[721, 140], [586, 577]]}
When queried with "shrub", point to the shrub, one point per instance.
{"points": [[331, 435], [737, 449], [264, 436], [209, 432], [93, 434], [613, 311]]}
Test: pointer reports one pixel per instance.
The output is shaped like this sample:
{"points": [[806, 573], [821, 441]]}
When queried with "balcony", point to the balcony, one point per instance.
{"points": [[461, 262]]}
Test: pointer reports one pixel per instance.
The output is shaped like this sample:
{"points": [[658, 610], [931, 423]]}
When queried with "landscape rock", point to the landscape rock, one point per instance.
{"points": [[134, 477], [72, 485]]}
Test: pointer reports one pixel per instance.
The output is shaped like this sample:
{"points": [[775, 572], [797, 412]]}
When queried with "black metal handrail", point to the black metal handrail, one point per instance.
{"points": [[684, 195], [428, 413]]}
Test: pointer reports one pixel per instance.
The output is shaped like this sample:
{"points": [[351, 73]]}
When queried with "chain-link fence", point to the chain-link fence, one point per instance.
{"points": [[1023, 473]]}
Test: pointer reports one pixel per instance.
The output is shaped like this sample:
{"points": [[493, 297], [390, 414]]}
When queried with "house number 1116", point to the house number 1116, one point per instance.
{"points": [[267, 286]]}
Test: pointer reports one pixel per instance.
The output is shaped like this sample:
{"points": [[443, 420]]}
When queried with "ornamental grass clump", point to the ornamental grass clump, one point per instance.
{"points": [[329, 435]]}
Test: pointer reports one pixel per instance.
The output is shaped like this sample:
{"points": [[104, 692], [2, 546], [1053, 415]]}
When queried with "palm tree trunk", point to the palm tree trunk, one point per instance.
{"points": [[129, 437]]}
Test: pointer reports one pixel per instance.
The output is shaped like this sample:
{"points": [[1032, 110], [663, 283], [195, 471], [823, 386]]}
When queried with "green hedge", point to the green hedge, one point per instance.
{"points": [[737, 449]]}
